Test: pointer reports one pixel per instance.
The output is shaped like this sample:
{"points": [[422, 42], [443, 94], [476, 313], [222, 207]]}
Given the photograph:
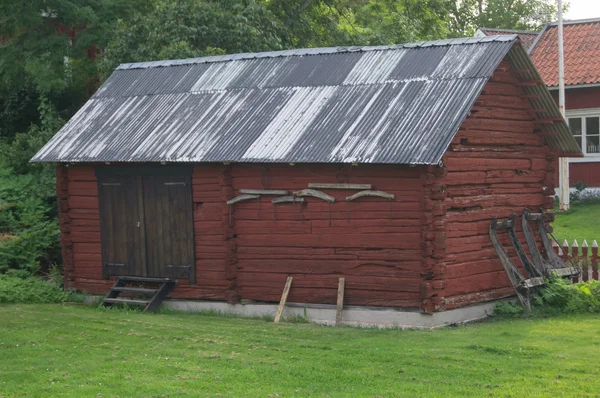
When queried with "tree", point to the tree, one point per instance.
{"points": [[173, 29], [48, 48], [467, 15]]}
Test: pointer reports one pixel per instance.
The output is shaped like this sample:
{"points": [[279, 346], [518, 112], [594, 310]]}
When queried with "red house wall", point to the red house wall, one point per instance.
{"points": [[582, 98], [374, 243], [496, 166]]}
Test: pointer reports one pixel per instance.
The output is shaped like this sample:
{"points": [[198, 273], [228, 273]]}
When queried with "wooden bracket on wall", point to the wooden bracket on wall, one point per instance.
{"points": [[380, 194], [241, 198], [287, 199], [316, 194], [286, 291], [340, 186], [264, 191]]}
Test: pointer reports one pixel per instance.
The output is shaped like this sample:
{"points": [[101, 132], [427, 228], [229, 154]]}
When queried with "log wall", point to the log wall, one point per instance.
{"points": [[373, 242], [246, 251], [496, 166]]}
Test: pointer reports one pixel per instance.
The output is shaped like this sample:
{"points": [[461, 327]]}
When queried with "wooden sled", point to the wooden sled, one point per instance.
{"points": [[523, 285], [552, 264]]}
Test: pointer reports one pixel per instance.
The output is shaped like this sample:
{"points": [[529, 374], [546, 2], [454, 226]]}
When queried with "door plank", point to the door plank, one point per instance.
{"points": [[118, 207]]}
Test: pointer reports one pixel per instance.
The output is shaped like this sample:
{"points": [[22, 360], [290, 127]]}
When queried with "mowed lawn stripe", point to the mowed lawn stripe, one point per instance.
{"points": [[80, 351]]}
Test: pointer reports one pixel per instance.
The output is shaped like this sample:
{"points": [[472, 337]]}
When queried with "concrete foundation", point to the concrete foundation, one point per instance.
{"points": [[355, 316], [381, 317]]}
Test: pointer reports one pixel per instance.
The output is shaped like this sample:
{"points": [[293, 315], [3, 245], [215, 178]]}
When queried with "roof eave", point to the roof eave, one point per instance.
{"points": [[563, 139]]}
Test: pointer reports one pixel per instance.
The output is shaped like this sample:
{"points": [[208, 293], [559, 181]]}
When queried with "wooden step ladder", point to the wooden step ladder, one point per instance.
{"points": [[152, 297]]}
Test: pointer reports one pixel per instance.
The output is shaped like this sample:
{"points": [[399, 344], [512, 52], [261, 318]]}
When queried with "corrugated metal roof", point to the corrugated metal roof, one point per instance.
{"points": [[392, 104]]}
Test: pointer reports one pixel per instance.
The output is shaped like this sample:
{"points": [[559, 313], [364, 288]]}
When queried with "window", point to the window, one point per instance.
{"points": [[586, 131]]}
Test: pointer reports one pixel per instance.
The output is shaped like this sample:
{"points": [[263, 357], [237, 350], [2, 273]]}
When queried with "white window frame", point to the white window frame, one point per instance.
{"points": [[583, 113]]}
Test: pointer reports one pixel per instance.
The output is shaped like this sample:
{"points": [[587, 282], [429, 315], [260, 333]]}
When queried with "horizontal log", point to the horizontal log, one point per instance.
{"points": [[363, 282], [487, 112], [499, 89], [83, 202], [503, 101], [498, 138], [84, 214], [496, 200], [462, 270], [328, 253], [82, 173], [84, 188], [395, 241], [329, 296], [476, 283], [451, 302], [333, 266], [87, 248], [477, 164]]}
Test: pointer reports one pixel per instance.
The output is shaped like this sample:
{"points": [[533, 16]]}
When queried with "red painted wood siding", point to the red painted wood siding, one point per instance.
{"points": [[586, 172], [580, 98], [496, 166], [374, 243]]}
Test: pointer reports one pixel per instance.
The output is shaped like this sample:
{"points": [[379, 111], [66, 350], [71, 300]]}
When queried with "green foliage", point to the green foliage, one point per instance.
{"points": [[173, 29], [31, 290], [29, 234], [560, 295], [508, 309], [465, 16]]}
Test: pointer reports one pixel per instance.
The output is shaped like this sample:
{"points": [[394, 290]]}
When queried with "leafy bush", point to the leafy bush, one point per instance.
{"points": [[29, 233], [582, 195], [31, 290], [559, 295]]}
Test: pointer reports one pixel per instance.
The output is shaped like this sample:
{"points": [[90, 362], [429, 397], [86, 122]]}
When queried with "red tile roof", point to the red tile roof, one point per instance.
{"points": [[527, 37], [582, 53]]}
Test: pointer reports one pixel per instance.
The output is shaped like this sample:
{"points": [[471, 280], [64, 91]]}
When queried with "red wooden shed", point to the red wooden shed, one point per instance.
{"points": [[382, 165]]}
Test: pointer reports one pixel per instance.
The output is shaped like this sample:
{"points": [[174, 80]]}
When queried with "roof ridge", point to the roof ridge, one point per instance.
{"points": [[315, 51], [531, 32], [575, 21]]}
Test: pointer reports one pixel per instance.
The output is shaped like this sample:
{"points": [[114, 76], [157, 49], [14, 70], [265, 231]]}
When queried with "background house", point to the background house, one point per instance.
{"points": [[582, 85], [582, 88]]}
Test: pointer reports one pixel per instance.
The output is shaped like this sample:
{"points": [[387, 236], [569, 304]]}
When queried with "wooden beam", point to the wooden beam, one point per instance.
{"points": [[530, 96], [380, 194], [284, 296], [264, 191], [340, 302], [241, 198], [288, 199], [315, 194], [340, 186]]}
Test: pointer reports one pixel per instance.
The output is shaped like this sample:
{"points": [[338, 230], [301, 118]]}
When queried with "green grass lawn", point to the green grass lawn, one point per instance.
{"points": [[580, 222], [54, 350]]}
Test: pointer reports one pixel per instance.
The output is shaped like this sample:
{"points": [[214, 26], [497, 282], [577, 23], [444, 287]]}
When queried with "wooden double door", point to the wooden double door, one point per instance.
{"points": [[146, 221]]}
